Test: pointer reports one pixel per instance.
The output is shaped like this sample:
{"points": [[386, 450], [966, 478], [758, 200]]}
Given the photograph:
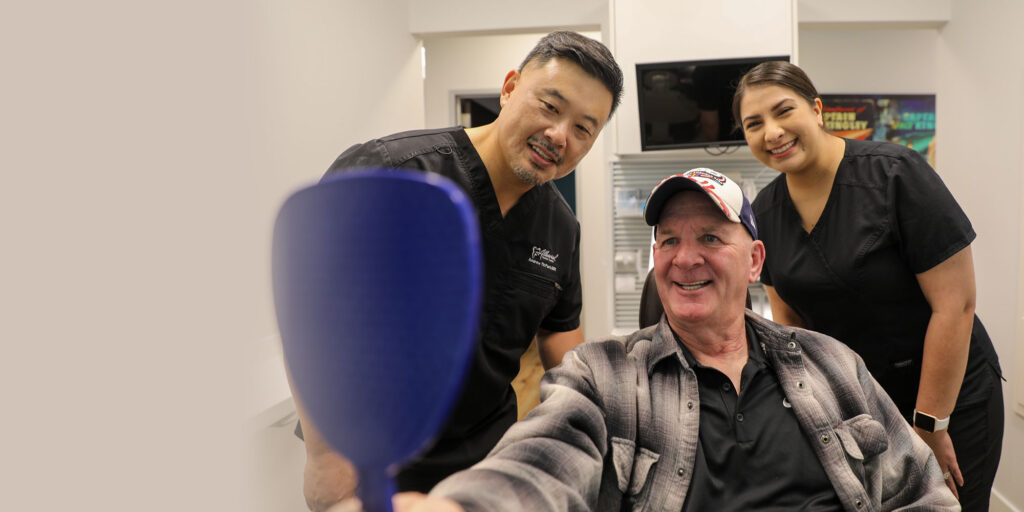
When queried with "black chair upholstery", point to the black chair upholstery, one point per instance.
{"points": [[650, 303]]}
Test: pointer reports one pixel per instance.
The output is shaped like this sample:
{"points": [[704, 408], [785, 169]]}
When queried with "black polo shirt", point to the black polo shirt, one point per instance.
{"points": [[531, 281], [752, 453], [888, 218]]}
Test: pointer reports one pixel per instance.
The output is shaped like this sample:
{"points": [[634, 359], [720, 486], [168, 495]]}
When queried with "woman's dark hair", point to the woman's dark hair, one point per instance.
{"points": [[594, 57], [773, 72]]}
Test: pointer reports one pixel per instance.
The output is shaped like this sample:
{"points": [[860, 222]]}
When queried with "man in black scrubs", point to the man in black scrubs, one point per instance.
{"points": [[553, 108], [714, 408]]}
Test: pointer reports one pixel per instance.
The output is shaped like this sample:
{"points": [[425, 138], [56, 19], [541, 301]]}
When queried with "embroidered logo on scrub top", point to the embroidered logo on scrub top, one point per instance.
{"points": [[543, 257]]}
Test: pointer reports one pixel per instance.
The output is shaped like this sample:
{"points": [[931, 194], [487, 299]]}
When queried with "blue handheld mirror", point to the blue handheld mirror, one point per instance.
{"points": [[377, 286]]}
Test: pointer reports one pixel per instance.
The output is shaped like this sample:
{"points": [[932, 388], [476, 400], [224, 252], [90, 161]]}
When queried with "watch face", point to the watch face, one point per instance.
{"points": [[924, 422]]}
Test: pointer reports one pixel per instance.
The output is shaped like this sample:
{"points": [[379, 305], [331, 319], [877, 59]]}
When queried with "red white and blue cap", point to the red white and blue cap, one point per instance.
{"points": [[722, 191]]}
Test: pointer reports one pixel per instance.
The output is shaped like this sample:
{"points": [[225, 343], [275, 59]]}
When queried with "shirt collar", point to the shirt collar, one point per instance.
{"points": [[767, 336]]}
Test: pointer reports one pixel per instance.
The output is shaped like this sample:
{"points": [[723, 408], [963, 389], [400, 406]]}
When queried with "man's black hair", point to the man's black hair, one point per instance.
{"points": [[587, 53]]}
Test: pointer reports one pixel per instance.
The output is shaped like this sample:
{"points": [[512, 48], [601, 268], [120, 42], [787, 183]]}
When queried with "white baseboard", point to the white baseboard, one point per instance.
{"points": [[1000, 504]]}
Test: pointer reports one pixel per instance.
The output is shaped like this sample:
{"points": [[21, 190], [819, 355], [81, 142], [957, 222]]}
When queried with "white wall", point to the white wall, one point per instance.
{"points": [[662, 31], [843, 15], [973, 65], [479, 64], [871, 61], [980, 107], [1016, 397], [459, 16]]}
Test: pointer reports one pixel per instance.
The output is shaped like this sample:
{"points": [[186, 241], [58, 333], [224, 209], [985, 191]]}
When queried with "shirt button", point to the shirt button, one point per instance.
{"points": [[681, 471], [859, 504], [739, 417], [726, 386], [825, 439]]}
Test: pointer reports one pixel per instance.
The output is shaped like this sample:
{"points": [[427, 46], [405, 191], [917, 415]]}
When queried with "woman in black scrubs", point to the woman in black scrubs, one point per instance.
{"points": [[865, 243]]}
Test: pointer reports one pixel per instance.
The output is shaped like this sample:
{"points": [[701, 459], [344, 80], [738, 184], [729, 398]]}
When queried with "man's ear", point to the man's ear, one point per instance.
{"points": [[757, 259], [511, 78]]}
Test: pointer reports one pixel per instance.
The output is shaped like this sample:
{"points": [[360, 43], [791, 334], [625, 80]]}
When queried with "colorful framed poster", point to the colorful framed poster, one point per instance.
{"points": [[907, 119]]}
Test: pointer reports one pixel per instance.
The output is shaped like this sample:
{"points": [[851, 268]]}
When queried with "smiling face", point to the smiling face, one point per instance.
{"points": [[703, 263], [784, 130], [551, 113]]}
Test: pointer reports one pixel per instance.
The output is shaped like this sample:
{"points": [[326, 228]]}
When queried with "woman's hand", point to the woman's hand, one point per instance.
{"points": [[942, 446]]}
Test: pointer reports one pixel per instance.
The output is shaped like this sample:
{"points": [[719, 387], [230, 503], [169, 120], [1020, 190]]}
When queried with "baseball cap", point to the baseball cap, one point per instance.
{"points": [[725, 193]]}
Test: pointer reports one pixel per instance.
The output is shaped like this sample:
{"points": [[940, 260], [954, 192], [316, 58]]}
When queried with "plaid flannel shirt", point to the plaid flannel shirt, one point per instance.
{"points": [[618, 422]]}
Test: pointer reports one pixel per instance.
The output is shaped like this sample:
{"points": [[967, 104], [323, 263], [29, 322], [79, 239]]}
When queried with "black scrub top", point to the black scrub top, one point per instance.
{"points": [[531, 281], [853, 277]]}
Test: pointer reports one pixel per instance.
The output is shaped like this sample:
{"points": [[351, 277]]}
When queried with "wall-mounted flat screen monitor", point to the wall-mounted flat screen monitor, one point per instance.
{"points": [[688, 104]]}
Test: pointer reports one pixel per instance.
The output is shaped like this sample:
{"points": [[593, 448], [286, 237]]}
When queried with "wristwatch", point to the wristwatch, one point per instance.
{"points": [[927, 422]]}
